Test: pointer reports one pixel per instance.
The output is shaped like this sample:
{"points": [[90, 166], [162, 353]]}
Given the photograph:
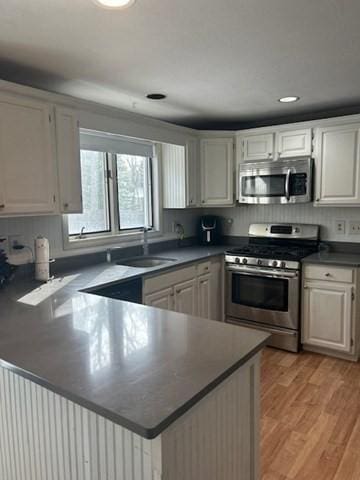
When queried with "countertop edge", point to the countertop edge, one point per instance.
{"points": [[152, 271], [148, 433]]}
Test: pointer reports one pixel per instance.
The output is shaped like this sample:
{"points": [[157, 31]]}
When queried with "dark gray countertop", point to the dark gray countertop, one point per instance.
{"points": [[334, 258], [139, 366]]}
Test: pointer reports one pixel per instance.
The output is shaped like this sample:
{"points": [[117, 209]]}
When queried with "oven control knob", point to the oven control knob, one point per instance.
{"points": [[274, 263], [259, 262], [283, 264], [244, 261], [237, 260]]}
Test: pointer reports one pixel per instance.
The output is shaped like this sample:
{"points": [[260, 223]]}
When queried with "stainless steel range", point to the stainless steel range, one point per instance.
{"points": [[263, 280]]}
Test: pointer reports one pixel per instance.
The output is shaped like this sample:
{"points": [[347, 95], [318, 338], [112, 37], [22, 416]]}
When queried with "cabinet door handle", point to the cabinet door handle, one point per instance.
{"points": [[66, 206], [2, 205], [327, 274]]}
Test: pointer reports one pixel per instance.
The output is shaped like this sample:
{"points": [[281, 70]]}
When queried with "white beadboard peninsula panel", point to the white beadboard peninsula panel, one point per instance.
{"points": [[243, 215], [218, 438], [43, 436]]}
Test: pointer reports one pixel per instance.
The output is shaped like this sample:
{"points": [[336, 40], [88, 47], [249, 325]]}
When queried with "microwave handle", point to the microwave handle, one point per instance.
{"points": [[287, 185]]}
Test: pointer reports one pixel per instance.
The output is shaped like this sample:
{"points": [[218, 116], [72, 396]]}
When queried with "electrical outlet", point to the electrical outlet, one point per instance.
{"points": [[15, 240], [4, 244], [340, 227], [354, 228]]}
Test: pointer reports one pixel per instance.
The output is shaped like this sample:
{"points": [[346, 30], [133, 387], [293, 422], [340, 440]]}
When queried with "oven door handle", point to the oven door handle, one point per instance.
{"points": [[287, 185], [262, 273]]}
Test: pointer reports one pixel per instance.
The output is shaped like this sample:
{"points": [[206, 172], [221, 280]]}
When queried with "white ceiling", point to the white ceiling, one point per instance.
{"points": [[220, 62]]}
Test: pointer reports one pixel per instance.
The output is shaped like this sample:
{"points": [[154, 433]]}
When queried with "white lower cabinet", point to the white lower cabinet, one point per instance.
{"points": [[329, 310], [162, 299], [204, 295], [195, 290], [185, 297]]}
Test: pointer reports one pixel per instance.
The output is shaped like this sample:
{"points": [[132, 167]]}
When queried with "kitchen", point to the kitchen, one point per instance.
{"points": [[161, 267]]}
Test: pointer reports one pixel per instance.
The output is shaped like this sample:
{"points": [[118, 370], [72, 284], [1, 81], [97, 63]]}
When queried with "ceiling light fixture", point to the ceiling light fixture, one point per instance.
{"points": [[289, 99], [156, 96], [119, 4]]}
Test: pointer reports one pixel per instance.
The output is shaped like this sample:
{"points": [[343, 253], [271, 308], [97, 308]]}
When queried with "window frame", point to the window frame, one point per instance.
{"points": [[125, 237], [150, 207]]}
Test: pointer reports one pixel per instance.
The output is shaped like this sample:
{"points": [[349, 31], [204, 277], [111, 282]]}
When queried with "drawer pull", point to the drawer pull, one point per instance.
{"points": [[328, 274], [2, 205]]}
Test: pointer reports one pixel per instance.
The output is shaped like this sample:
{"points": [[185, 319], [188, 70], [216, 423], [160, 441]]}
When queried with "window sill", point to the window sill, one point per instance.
{"points": [[123, 239]]}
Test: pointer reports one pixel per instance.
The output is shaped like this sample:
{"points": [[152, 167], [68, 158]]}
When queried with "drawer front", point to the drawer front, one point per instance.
{"points": [[203, 267], [329, 273], [161, 281]]}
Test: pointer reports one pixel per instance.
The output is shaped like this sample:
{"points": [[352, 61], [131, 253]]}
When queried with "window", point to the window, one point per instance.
{"points": [[134, 192], [117, 188], [95, 192]]}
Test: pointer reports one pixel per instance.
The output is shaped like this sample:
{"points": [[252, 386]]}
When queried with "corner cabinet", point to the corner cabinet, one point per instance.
{"points": [[217, 171], [180, 175], [337, 162], [27, 157], [68, 160], [329, 310]]}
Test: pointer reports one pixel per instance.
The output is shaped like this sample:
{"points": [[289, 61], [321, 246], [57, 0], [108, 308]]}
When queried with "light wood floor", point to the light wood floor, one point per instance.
{"points": [[310, 417]]}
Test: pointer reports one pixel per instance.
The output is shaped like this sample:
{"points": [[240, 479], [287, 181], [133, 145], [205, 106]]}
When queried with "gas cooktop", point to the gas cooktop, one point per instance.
{"points": [[272, 251]]}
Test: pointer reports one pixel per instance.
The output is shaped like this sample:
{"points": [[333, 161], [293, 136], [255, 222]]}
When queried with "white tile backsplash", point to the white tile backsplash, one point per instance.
{"points": [[326, 217], [51, 227]]}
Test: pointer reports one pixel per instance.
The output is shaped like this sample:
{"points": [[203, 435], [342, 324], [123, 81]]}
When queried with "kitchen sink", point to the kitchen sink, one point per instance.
{"points": [[145, 261]]}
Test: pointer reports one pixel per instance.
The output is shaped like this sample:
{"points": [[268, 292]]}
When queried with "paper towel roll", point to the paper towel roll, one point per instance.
{"points": [[42, 250], [42, 259]]}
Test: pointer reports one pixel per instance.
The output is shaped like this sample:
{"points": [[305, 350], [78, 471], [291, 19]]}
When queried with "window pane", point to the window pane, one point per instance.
{"points": [[95, 216], [134, 192]]}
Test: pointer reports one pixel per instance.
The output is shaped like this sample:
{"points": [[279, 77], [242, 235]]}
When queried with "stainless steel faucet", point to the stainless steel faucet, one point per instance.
{"points": [[145, 240]]}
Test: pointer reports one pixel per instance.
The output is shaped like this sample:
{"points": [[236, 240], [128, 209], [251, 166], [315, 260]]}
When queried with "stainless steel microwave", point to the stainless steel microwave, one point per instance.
{"points": [[281, 181]]}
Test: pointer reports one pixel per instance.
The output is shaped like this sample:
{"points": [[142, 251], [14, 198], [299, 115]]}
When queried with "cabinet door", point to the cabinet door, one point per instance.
{"points": [[174, 176], [338, 165], [204, 296], [217, 290], [258, 147], [327, 315], [185, 297], [295, 143], [68, 160], [217, 175], [162, 299], [192, 173], [27, 160]]}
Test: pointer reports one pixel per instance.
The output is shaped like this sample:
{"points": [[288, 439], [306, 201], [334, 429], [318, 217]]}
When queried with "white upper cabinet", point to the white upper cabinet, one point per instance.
{"points": [[258, 147], [294, 143], [68, 158], [217, 171], [27, 157], [180, 169], [337, 158]]}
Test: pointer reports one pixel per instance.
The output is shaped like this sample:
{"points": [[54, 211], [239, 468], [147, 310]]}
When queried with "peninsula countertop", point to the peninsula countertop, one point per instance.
{"points": [[139, 366]]}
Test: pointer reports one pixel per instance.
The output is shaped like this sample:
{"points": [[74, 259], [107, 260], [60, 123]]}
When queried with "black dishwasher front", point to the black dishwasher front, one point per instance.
{"points": [[128, 290]]}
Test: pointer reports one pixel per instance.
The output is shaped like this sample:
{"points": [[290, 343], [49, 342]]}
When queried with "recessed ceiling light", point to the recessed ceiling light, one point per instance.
{"points": [[289, 99], [156, 96], [114, 3]]}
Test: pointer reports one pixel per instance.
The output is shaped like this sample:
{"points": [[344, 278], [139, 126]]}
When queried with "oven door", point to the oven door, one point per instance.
{"points": [[266, 296], [285, 182]]}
